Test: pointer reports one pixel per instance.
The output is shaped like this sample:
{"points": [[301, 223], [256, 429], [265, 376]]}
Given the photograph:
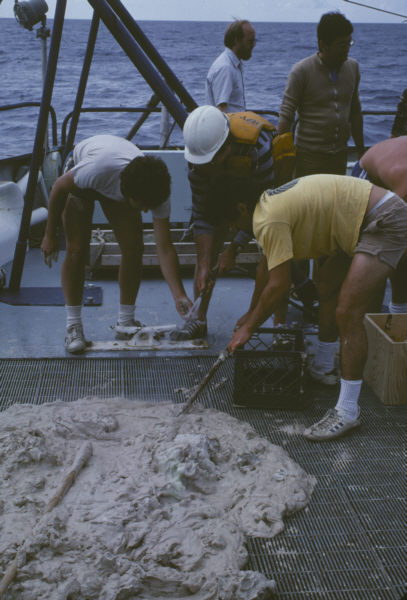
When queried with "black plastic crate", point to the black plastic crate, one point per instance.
{"points": [[271, 379]]}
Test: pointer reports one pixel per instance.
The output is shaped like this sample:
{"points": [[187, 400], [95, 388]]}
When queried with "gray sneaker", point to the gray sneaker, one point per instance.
{"points": [[193, 329], [75, 341], [330, 427]]}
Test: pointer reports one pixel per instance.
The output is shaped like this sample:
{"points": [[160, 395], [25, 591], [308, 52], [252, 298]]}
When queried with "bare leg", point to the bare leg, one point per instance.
{"points": [[77, 221], [127, 226], [398, 280], [364, 280], [331, 274], [208, 249]]}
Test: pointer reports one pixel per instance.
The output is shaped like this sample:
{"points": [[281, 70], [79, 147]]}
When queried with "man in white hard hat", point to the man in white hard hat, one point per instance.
{"points": [[224, 82], [220, 147]]}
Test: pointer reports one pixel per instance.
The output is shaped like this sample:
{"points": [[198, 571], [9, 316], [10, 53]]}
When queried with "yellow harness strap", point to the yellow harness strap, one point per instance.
{"points": [[246, 126]]}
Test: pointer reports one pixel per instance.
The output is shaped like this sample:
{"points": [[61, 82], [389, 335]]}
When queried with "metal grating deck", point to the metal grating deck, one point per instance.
{"points": [[350, 542]]}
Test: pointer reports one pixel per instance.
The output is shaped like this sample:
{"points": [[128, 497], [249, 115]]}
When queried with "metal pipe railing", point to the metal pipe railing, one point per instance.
{"points": [[152, 53], [38, 150], [151, 104], [99, 109], [138, 58], [82, 84], [30, 104]]}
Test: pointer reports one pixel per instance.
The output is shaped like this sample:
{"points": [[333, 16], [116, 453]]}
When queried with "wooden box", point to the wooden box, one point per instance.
{"points": [[386, 366]]}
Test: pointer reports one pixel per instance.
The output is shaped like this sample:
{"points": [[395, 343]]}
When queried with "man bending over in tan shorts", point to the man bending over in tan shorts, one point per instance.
{"points": [[361, 229]]}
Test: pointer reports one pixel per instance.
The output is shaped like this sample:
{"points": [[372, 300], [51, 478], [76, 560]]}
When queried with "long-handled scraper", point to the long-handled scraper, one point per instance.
{"points": [[219, 361]]}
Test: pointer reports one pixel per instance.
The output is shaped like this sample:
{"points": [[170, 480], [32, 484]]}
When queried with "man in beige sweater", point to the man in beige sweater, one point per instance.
{"points": [[323, 89]]}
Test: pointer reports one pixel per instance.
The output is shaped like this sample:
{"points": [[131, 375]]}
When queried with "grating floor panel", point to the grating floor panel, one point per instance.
{"points": [[349, 543]]}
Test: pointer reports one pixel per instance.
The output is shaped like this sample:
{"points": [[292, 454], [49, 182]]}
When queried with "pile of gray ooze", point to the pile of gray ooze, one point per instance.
{"points": [[161, 510]]}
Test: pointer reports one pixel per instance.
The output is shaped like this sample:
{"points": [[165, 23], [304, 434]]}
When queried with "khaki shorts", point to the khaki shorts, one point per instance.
{"points": [[384, 232]]}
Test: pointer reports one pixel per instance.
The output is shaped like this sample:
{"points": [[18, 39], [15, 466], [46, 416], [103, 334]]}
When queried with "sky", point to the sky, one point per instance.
{"points": [[227, 10]]}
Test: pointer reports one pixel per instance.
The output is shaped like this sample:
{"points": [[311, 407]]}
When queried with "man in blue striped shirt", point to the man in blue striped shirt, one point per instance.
{"points": [[217, 156]]}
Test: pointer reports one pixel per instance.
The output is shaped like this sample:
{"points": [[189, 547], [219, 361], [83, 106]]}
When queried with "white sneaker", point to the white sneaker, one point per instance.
{"points": [[330, 378], [75, 341], [331, 426]]}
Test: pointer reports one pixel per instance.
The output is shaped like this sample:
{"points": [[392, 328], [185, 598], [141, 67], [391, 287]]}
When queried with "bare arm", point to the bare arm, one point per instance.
{"points": [[292, 99], [356, 122], [204, 248], [169, 265], [63, 186], [275, 289], [261, 281]]}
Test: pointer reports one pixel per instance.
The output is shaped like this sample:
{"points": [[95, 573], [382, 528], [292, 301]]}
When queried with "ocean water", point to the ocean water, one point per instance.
{"points": [[189, 48]]}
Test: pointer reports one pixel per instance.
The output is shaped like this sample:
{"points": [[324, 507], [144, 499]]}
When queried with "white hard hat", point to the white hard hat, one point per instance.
{"points": [[205, 131]]}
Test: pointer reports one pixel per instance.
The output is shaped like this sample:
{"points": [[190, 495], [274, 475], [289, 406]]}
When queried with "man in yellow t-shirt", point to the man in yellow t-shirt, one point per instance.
{"points": [[361, 230]]}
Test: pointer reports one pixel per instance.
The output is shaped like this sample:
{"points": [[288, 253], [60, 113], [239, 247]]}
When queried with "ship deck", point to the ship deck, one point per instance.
{"points": [[349, 543]]}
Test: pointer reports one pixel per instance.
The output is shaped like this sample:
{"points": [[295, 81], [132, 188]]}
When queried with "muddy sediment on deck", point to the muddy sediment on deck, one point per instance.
{"points": [[162, 508]]}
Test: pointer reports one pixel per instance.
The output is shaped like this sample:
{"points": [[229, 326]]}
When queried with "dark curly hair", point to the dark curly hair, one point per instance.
{"points": [[146, 177], [333, 25]]}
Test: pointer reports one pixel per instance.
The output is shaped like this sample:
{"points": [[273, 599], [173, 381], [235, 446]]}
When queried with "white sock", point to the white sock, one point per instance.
{"points": [[324, 358], [126, 314], [348, 401], [73, 315], [398, 308]]}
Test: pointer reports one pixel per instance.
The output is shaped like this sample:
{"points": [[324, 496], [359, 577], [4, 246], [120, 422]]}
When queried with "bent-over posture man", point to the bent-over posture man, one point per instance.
{"points": [[385, 164], [238, 147], [362, 230], [115, 172]]}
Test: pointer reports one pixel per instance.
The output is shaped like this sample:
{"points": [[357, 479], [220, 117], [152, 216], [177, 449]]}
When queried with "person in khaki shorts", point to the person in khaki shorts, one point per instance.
{"points": [[385, 164], [361, 229]]}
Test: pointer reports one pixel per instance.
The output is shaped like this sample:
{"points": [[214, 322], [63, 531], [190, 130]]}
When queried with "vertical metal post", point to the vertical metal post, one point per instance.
{"points": [[138, 58], [153, 54], [82, 85], [38, 150], [164, 126], [43, 33]]}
